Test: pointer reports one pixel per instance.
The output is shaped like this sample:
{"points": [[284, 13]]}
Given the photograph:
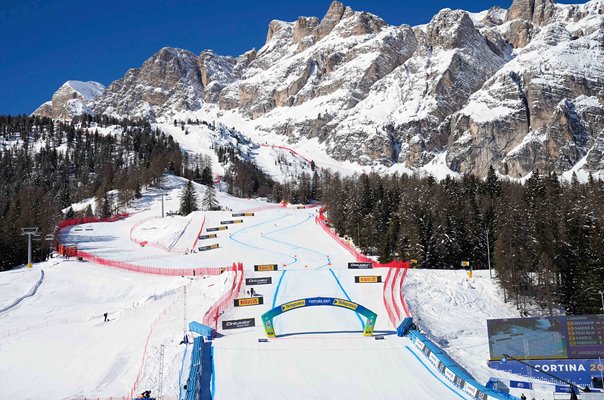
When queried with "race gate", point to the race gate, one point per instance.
{"points": [[267, 317]]}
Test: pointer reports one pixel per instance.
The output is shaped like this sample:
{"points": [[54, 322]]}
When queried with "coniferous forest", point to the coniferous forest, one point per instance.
{"points": [[45, 166], [544, 238]]}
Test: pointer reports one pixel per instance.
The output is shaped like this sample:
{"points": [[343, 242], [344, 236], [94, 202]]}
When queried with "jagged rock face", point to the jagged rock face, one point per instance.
{"points": [[170, 80], [518, 89], [543, 110], [540, 12], [71, 99]]}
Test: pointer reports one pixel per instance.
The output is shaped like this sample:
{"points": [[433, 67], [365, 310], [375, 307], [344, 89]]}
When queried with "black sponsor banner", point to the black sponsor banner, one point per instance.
{"points": [[441, 367], [267, 280], [210, 247], [218, 228], [426, 351], [232, 221], [249, 301], [482, 396], [359, 265], [459, 382], [239, 323], [243, 214], [209, 236], [368, 279], [266, 267]]}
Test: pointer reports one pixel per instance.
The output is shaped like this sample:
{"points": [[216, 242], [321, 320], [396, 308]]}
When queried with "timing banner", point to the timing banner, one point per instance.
{"points": [[561, 337], [210, 247], [249, 301], [267, 280], [267, 317], [217, 228], [232, 221], [209, 236], [360, 265], [368, 279], [243, 214], [239, 323], [266, 267]]}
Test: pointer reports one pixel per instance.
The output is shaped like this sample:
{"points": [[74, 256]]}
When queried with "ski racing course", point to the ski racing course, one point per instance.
{"points": [[58, 338]]}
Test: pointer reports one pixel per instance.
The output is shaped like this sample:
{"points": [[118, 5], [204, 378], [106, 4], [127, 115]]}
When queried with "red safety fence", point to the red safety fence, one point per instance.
{"points": [[288, 149], [88, 220], [201, 271], [386, 298], [203, 222], [213, 314]]}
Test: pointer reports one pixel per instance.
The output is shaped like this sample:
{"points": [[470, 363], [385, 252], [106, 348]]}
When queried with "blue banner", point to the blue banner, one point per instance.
{"points": [[562, 389], [521, 385], [578, 372]]}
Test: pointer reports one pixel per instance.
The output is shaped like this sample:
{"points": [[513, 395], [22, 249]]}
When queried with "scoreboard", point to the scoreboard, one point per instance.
{"points": [[561, 337]]}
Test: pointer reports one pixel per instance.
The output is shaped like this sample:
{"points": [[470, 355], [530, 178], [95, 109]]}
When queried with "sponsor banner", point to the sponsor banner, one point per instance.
{"points": [[259, 281], [562, 389], [293, 304], [420, 345], [469, 389], [320, 301], [243, 214], [208, 236], [300, 207], [249, 301], [578, 372], [450, 375], [434, 359], [521, 385], [345, 303], [426, 350], [482, 396], [266, 267], [217, 228], [368, 279], [210, 247], [359, 265], [441, 367], [459, 382], [239, 323], [232, 221]]}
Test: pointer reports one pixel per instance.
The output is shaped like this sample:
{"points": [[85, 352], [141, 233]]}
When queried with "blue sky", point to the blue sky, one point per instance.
{"points": [[43, 43]]}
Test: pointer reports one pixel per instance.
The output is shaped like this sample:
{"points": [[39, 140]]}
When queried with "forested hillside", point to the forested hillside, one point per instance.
{"points": [[545, 238], [45, 166]]}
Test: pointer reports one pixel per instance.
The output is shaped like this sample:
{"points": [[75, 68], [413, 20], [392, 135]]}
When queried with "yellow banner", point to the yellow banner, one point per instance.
{"points": [[293, 304], [368, 279], [267, 267], [252, 301], [344, 303]]}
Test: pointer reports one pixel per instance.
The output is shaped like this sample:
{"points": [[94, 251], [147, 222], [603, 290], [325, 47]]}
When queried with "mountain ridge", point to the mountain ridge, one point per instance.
{"points": [[518, 89]]}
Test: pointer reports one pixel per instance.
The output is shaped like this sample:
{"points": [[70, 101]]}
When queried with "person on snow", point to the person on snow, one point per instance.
{"points": [[252, 292], [523, 397], [105, 315]]}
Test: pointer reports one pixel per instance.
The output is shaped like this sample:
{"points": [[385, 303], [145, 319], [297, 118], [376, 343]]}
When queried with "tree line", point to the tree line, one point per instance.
{"points": [[544, 239], [46, 165]]}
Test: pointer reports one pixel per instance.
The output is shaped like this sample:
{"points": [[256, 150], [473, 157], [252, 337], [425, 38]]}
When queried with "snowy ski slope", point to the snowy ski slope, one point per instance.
{"points": [[56, 344]]}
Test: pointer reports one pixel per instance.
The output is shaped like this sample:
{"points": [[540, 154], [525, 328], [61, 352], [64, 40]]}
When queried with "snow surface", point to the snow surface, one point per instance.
{"points": [[89, 90], [58, 338]]}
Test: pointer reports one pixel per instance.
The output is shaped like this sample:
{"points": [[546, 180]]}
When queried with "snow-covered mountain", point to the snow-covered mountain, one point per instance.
{"points": [[72, 98], [519, 89]]}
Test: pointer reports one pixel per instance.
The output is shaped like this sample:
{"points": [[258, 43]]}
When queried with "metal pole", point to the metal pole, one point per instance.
{"points": [[162, 205], [602, 296], [489, 255], [28, 250]]}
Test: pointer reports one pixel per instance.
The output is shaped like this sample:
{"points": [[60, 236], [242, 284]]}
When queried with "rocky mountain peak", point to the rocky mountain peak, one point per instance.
{"points": [[451, 29], [540, 12], [71, 99]]}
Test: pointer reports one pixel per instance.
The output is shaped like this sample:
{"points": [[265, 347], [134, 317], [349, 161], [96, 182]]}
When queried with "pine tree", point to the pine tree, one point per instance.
{"points": [[188, 199], [210, 202]]}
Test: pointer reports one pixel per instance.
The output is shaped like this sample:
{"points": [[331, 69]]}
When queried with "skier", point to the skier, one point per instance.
{"points": [[523, 397], [105, 315], [252, 292]]}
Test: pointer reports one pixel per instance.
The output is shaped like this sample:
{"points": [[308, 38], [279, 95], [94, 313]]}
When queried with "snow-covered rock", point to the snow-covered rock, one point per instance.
{"points": [[71, 99]]}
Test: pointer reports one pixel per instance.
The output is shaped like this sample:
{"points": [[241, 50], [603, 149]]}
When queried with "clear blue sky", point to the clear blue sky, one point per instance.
{"points": [[43, 43]]}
